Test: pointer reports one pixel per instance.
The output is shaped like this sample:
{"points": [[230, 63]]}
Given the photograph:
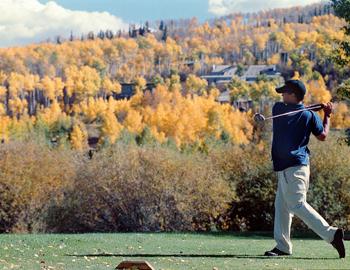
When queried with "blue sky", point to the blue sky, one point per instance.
{"points": [[27, 21], [141, 10]]}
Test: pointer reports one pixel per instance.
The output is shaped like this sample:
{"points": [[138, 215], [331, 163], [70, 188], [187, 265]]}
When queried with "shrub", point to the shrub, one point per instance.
{"points": [[130, 187], [250, 173], [133, 188], [330, 181], [31, 177]]}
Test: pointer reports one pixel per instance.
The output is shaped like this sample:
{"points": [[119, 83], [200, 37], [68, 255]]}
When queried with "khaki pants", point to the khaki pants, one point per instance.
{"points": [[293, 184]]}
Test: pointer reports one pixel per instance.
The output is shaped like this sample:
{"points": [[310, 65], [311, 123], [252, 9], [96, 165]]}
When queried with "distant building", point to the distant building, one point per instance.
{"points": [[254, 71], [189, 63], [220, 74], [224, 97], [128, 90], [241, 103], [224, 73]]}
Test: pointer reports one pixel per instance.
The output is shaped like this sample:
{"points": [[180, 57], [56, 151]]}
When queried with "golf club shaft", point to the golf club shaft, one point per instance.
{"points": [[317, 106]]}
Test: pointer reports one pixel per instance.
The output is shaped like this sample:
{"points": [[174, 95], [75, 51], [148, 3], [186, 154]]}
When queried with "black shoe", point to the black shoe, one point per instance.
{"points": [[338, 242], [276, 252]]}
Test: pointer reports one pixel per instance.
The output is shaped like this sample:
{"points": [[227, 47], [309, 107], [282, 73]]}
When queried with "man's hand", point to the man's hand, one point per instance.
{"points": [[328, 108]]}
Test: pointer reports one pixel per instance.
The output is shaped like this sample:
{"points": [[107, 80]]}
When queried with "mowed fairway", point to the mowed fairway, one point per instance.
{"points": [[162, 250]]}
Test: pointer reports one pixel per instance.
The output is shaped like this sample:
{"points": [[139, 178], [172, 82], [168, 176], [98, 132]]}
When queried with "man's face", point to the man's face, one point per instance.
{"points": [[289, 97]]}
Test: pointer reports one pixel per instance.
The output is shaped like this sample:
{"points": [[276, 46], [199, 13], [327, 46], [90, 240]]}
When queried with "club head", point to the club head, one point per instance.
{"points": [[259, 118]]}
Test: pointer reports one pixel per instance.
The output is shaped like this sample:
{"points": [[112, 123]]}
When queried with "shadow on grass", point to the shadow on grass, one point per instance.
{"points": [[236, 256], [308, 234]]}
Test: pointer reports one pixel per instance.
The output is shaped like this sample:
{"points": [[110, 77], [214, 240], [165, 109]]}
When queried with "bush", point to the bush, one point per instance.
{"points": [[31, 177], [330, 181], [9, 208], [128, 187], [132, 188], [250, 173]]}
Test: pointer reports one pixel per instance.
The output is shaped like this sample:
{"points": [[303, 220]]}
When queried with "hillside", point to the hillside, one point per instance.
{"points": [[65, 86]]}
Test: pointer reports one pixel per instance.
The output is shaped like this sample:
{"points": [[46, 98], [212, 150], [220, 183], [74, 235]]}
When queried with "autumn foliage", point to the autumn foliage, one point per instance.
{"points": [[127, 187], [64, 89], [171, 157]]}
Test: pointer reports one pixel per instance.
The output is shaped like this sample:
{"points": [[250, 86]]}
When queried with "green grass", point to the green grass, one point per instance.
{"points": [[163, 251]]}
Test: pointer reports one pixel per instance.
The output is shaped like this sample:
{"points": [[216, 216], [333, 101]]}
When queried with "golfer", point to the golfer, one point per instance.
{"points": [[290, 157]]}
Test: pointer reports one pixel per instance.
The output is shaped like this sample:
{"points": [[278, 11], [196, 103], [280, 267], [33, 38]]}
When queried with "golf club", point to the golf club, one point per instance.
{"points": [[261, 118]]}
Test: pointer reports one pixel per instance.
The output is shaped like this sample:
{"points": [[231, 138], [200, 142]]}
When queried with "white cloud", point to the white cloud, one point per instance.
{"points": [[224, 7], [26, 21]]}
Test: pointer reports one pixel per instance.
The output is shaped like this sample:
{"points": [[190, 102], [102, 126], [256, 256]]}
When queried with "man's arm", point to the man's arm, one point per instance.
{"points": [[328, 107]]}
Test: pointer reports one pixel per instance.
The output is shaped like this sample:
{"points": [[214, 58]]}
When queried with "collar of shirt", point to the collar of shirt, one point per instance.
{"points": [[294, 106]]}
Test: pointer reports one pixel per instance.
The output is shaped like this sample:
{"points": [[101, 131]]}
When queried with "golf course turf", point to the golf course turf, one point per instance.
{"points": [[163, 251]]}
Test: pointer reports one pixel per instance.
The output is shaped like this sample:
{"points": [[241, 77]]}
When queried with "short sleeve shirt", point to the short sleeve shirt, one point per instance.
{"points": [[291, 134]]}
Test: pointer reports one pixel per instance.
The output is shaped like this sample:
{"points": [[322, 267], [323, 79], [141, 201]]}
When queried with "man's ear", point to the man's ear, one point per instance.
{"points": [[295, 96]]}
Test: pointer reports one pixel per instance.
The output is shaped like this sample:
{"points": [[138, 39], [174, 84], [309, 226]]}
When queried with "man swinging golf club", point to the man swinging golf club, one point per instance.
{"points": [[290, 157]]}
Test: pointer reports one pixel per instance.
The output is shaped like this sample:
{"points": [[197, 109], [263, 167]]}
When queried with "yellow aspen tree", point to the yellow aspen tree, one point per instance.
{"points": [[3, 77], [301, 38], [18, 106], [261, 41], [341, 116], [71, 81], [136, 99], [2, 110], [19, 128], [174, 83], [91, 81], [3, 92], [274, 60], [140, 84], [52, 114], [93, 108], [108, 86], [214, 93], [4, 128], [85, 82], [238, 88], [30, 81], [79, 137], [48, 86], [289, 31], [16, 83], [111, 128], [196, 85], [317, 91], [247, 41], [133, 122], [59, 85]]}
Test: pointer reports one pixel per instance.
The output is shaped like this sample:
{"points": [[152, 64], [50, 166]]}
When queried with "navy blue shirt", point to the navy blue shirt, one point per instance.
{"points": [[291, 134]]}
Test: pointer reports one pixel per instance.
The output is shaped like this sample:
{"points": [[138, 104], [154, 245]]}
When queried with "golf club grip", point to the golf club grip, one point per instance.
{"points": [[315, 107]]}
